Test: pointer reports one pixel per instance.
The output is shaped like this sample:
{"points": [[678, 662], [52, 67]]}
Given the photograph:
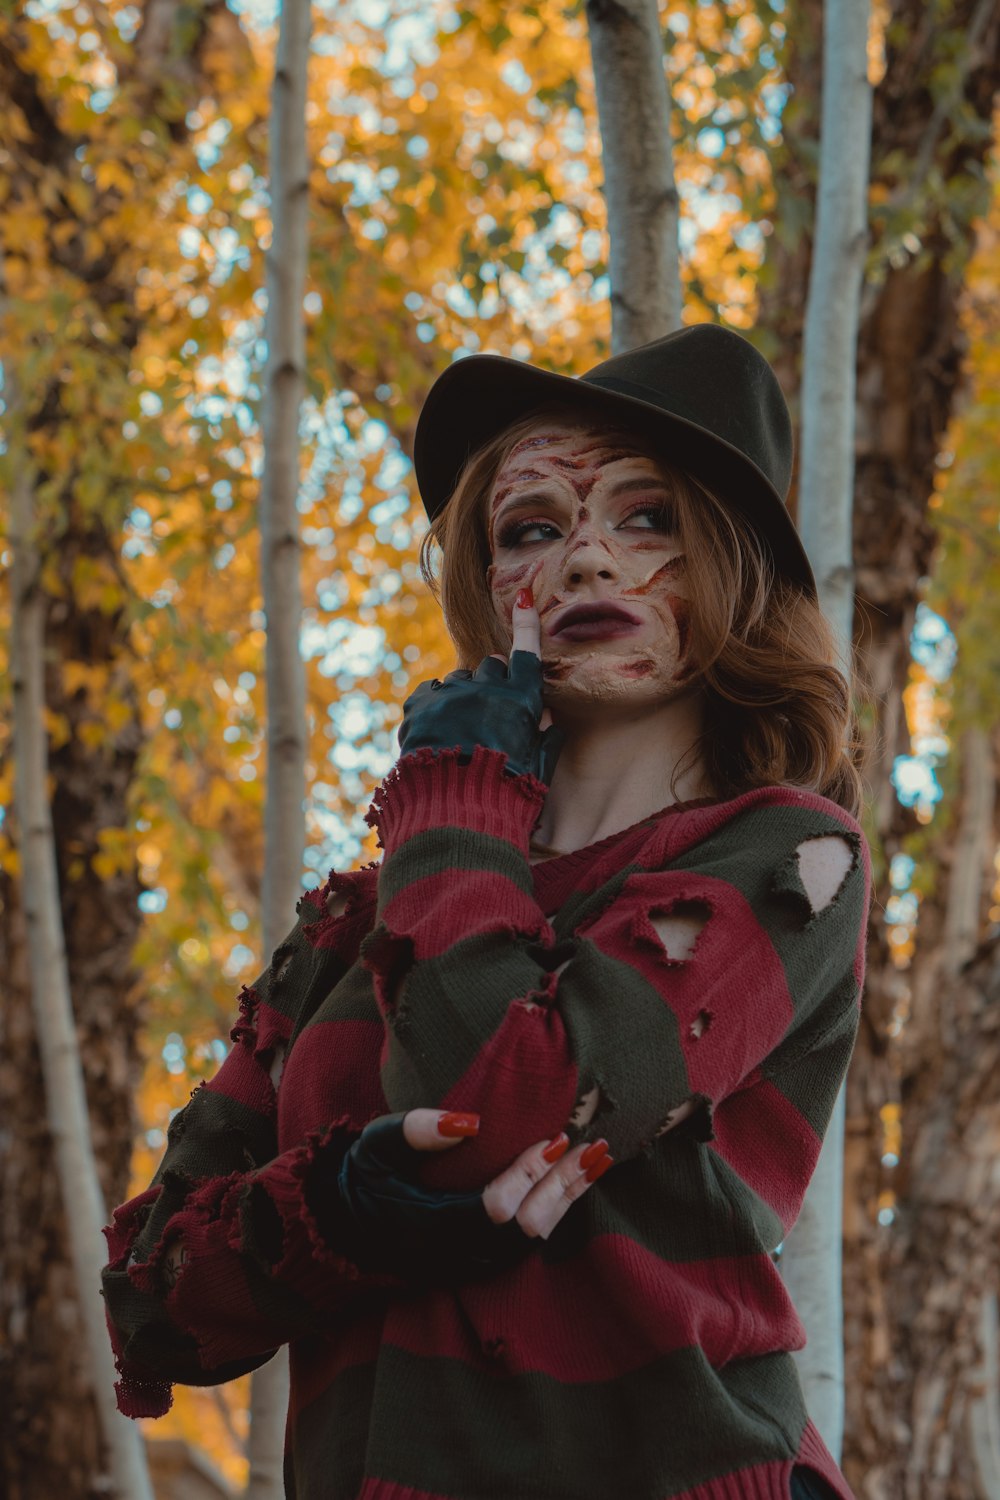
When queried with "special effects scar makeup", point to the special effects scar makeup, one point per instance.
{"points": [[557, 489]]}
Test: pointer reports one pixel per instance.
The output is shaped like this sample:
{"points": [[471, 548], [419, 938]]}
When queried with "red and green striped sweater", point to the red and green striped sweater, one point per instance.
{"points": [[643, 1349]]}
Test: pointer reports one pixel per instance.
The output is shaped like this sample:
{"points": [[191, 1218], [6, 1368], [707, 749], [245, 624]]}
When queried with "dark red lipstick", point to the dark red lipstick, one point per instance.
{"points": [[595, 621]]}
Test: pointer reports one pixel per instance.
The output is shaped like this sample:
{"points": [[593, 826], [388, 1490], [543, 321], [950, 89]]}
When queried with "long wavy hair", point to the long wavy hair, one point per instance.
{"points": [[777, 709]]}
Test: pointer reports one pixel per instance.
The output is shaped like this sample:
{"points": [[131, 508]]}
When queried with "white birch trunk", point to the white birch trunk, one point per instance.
{"points": [[974, 849], [984, 1409], [812, 1259], [284, 381], [633, 106], [65, 1093]]}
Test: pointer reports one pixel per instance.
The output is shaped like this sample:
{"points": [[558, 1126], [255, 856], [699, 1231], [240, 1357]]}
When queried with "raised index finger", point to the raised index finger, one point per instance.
{"points": [[526, 625]]}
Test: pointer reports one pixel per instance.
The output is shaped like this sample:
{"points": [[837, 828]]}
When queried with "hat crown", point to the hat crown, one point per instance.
{"points": [[716, 380]]}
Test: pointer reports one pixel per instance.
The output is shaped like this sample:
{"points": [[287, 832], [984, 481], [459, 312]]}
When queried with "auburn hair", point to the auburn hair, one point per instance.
{"points": [[777, 709]]}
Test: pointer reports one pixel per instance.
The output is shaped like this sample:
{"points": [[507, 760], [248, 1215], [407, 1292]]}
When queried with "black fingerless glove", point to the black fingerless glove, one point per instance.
{"points": [[494, 706], [369, 1207]]}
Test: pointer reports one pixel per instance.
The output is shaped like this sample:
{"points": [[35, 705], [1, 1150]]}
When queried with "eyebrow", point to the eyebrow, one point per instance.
{"points": [[529, 497], [624, 487], [650, 481]]}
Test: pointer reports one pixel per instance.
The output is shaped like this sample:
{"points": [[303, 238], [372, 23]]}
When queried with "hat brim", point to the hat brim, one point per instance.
{"points": [[475, 398]]}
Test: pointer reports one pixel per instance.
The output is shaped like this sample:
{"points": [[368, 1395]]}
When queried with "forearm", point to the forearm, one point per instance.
{"points": [[168, 1241], [222, 1274]]}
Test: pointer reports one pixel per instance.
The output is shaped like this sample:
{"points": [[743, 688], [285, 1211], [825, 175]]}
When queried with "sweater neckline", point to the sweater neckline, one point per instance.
{"points": [[588, 852]]}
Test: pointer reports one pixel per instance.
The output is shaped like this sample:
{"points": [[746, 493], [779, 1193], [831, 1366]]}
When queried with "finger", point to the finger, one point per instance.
{"points": [[526, 626], [491, 669], [437, 1129], [551, 1198], [525, 672], [504, 1195]]}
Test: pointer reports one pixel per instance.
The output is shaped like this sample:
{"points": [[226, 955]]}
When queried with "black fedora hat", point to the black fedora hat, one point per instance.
{"points": [[703, 396]]}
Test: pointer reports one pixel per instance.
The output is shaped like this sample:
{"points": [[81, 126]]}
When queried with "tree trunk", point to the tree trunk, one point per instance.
{"points": [[284, 383], [942, 1260], [52, 1441], [909, 361], [52, 1011], [633, 106], [812, 1262]]}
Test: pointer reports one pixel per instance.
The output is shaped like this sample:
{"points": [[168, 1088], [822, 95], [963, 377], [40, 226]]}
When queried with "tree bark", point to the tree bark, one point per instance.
{"points": [[284, 384], [53, 1443], [909, 364], [66, 1113], [812, 1261], [942, 1260], [633, 106]]}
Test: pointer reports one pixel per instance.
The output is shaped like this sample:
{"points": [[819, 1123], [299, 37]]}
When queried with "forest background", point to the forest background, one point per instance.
{"points": [[456, 205]]}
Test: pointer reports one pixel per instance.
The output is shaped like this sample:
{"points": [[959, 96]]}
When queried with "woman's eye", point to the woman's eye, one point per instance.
{"points": [[526, 531], [653, 518]]}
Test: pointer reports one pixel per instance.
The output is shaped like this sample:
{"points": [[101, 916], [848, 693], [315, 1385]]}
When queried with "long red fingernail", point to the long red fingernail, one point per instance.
{"points": [[458, 1124], [525, 599], [599, 1168], [593, 1153], [557, 1147]]}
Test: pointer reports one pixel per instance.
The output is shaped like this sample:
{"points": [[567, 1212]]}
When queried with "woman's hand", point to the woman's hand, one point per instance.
{"points": [[378, 1215], [536, 1190], [498, 706]]}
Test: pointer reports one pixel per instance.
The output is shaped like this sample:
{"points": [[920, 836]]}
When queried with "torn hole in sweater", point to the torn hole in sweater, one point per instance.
{"points": [[592, 1100], [335, 903], [281, 962], [679, 927], [694, 1114], [814, 874], [175, 1258], [673, 930], [701, 1023], [586, 1107], [277, 1067], [264, 1031], [389, 959], [542, 997]]}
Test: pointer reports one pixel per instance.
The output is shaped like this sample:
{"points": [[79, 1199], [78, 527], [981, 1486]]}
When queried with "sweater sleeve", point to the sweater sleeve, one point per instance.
{"points": [[255, 1271], [604, 1025]]}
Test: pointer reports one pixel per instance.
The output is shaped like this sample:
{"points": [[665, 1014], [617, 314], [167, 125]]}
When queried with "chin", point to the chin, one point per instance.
{"points": [[579, 687]]}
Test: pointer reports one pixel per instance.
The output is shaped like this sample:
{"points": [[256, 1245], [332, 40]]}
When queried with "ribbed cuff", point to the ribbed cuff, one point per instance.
{"points": [[308, 1262], [440, 789], [136, 1396]]}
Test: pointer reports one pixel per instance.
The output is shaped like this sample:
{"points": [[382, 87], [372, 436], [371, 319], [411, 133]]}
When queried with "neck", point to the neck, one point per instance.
{"points": [[615, 771]]}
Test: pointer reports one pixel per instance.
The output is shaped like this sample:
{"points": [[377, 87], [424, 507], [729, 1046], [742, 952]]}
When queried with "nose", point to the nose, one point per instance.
{"points": [[587, 558]]}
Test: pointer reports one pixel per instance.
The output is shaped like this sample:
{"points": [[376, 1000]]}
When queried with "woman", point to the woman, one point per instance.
{"points": [[613, 954]]}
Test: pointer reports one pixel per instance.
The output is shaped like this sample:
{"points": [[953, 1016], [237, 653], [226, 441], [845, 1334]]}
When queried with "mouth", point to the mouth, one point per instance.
{"points": [[595, 622]]}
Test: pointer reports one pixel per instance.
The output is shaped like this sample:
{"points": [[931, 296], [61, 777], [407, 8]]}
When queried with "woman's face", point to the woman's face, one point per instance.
{"points": [[583, 516]]}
